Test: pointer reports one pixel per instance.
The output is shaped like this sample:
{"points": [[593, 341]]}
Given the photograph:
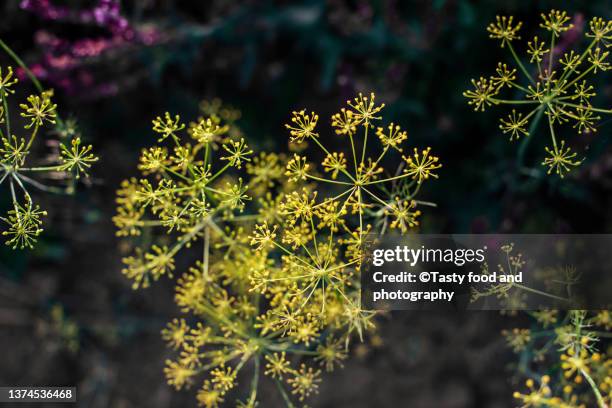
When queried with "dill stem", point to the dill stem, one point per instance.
{"points": [[219, 172], [328, 180], [552, 134], [354, 154], [600, 400], [513, 102], [523, 147], [387, 179], [284, 394], [365, 141], [573, 105], [520, 64], [32, 137], [579, 77], [551, 52], [6, 113], [20, 62]]}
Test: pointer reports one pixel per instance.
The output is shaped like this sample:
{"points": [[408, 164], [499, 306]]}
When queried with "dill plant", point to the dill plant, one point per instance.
{"points": [[551, 86], [20, 172], [565, 359], [280, 240]]}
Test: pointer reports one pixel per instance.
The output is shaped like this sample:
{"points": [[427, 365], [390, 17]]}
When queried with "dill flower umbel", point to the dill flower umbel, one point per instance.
{"points": [[18, 168], [275, 291], [552, 86]]}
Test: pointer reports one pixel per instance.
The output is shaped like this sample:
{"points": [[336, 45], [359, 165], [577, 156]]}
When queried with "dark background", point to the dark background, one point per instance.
{"points": [[268, 58]]}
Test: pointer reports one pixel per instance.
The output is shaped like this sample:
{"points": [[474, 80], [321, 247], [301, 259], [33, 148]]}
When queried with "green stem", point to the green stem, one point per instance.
{"points": [[328, 181], [511, 102], [523, 147], [520, 64], [284, 394], [19, 62], [552, 133], [365, 142], [600, 400], [573, 105]]}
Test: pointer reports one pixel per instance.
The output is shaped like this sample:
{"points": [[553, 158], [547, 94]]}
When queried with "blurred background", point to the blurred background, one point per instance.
{"points": [[68, 316]]}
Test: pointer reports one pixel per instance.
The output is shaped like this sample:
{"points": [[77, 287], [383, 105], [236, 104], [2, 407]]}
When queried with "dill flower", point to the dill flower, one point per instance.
{"points": [[24, 218], [515, 125], [504, 29], [552, 87], [302, 126], [560, 159], [78, 158], [39, 110], [365, 108], [279, 241], [7, 81], [24, 225], [178, 375], [277, 365], [167, 126], [421, 166], [305, 382]]}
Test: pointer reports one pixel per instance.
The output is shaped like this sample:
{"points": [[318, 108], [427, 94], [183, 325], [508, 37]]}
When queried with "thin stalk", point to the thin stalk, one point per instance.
{"points": [[600, 400], [520, 64]]}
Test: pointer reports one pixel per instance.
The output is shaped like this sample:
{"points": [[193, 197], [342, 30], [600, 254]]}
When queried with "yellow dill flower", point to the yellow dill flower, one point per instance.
{"points": [[393, 138], [39, 110], [208, 396], [279, 263], [178, 376], [277, 365], [238, 152], [345, 122], [223, 378], [77, 158], [560, 159], [331, 353], [516, 125], [537, 49], [504, 77], [481, 96], [601, 30], [297, 168], [334, 163], [175, 333], [302, 126], [556, 22], [7, 81], [421, 166], [365, 108], [598, 59], [403, 218], [167, 126], [207, 131], [576, 363], [546, 84], [504, 29], [24, 225], [305, 382], [263, 236]]}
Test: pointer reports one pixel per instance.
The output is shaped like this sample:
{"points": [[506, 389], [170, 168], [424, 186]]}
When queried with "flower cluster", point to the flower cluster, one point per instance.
{"points": [[554, 84], [570, 348], [280, 241], [24, 219]]}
